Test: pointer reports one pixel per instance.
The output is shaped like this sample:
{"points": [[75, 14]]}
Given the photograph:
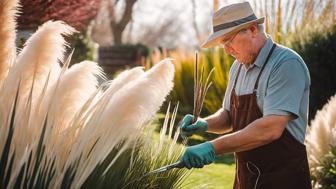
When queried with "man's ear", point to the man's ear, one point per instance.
{"points": [[254, 30]]}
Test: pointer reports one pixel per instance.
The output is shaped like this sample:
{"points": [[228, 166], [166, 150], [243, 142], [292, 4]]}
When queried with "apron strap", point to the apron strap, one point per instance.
{"points": [[234, 85], [268, 56]]}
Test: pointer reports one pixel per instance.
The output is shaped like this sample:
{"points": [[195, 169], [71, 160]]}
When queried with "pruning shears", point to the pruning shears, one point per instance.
{"points": [[178, 164]]}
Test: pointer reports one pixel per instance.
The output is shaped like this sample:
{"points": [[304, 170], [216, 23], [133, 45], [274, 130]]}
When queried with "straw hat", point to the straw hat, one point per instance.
{"points": [[230, 19]]}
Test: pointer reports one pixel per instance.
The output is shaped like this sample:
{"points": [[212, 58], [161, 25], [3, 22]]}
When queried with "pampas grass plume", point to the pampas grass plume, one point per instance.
{"points": [[321, 135]]}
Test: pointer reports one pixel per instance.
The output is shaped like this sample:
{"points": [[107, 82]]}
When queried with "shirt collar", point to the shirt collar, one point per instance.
{"points": [[260, 60]]}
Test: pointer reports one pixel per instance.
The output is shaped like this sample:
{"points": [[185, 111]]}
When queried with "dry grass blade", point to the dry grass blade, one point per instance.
{"points": [[201, 88], [172, 121], [164, 129], [195, 83]]}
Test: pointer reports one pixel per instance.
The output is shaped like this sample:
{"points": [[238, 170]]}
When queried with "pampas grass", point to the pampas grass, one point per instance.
{"points": [[87, 143], [36, 65], [40, 55], [57, 124], [74, 89], [134, 105], [321, 137], [8, 12], [146, 157], [26, 78]]}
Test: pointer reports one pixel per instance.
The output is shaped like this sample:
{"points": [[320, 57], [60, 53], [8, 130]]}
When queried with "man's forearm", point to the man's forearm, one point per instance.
{"points": [[260, 132], [219, 122]]}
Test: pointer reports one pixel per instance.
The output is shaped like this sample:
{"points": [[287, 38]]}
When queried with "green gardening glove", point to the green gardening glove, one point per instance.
{"points": [[188, 129], [199, 155]]}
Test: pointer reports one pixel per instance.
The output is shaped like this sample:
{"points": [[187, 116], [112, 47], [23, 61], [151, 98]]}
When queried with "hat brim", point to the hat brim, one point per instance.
{"points": [[215, 38]]}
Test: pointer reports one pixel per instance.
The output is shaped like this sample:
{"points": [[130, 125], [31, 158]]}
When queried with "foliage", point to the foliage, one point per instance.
{"points": [[317, 48], [139, 48], [84, 48], [77, 13], [328, 172], [114, 59]]}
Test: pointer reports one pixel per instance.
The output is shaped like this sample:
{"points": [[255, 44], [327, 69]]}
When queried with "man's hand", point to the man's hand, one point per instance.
{"points": [[199, 155], [187, 129]]}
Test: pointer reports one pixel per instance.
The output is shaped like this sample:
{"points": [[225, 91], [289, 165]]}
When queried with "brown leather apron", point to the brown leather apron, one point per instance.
{"points": [[281, 164]]}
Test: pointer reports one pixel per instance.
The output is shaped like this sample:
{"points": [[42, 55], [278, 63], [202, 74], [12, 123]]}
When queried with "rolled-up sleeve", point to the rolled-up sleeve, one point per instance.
{"points": [[285, 89]]}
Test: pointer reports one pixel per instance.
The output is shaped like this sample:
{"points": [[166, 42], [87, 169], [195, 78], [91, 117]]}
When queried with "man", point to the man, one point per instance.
{"points": [[264, 109]]}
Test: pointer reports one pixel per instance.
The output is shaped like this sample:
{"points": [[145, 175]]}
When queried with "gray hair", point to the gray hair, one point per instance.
{"points": [[261, 28]]}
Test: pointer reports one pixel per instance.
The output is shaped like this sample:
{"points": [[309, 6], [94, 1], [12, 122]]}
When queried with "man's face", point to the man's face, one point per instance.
{"points": [[241, 45]]}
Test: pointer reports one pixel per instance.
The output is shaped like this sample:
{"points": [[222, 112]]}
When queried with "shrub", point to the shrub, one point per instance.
{"points": [[116, 58], [85, 48], [317, 48], [328, 173]]}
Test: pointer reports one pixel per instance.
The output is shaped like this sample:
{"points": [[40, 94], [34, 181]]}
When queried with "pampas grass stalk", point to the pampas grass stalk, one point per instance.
{"points": [[75, 88], [8, 12]]}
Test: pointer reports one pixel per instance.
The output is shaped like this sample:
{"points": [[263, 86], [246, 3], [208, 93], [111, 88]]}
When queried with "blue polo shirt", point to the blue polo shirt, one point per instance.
{"points": [[283, 86]]}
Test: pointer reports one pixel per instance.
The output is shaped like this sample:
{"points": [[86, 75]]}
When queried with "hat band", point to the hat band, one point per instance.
{"points": [[234, 23]]}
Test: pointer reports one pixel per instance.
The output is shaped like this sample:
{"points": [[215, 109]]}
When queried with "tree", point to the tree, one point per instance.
{"points": [[109, 16], [118, 27], [154, 23], [77, 13]]}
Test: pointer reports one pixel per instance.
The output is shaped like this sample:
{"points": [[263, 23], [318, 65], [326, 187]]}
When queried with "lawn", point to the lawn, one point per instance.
{"points": [[214, 176]]}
